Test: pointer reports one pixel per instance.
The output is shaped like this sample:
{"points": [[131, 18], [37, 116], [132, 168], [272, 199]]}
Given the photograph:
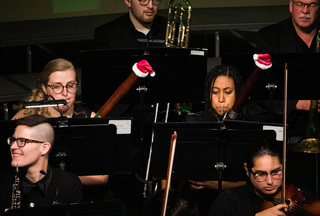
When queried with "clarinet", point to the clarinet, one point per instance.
{"points": [[16, 193]]}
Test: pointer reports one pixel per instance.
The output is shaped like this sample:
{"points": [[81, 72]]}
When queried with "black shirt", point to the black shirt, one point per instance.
{"points": [[121, 33], [57, 186], [238, 201], [282, 38], [81, 112]]}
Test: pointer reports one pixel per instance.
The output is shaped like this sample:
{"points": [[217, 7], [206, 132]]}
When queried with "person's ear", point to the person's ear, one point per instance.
{"points": [[128, 3], [290, 6], [44, 88], [246, 168], [45, 148]]}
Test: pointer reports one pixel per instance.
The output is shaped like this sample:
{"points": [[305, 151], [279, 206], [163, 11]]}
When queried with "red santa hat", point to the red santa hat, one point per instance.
{"points": [[263, 61], [143, 68]]}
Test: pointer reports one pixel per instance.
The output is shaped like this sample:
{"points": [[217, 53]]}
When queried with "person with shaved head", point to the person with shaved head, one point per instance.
{"points": [[40, 185]]}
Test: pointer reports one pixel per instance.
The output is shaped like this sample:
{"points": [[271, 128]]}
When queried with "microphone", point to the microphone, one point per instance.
{"points": [[55, 199]]}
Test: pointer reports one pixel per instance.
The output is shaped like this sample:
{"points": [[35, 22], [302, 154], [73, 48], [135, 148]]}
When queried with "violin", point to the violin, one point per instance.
{"points": [[298, 203]]}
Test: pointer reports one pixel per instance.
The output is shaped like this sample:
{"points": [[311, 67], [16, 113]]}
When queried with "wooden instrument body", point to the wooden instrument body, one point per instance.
{"points": [[298, 203], [121, 91]]}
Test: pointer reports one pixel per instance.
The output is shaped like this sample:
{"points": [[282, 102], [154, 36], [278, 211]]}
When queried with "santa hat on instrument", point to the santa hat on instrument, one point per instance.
{"points": [[143, 68], [263, 61]]}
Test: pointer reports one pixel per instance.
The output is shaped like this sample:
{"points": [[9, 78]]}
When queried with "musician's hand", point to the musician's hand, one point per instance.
{"points": [[204, 184], [214, 184], [305, 105], [276, 210]]}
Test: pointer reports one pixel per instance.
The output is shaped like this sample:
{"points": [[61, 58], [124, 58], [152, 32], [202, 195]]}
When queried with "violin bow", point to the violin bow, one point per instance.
{"points": [[169, 172], [284, 146]]}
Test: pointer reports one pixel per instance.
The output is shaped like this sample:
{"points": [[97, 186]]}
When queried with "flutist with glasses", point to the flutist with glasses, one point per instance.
{"points": [[33, 182], [59, 80]]}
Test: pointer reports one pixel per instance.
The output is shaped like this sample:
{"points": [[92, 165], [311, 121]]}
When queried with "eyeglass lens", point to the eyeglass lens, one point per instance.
{"points": [[20, 141], [146, 2], [262, 176], [58, 88]]}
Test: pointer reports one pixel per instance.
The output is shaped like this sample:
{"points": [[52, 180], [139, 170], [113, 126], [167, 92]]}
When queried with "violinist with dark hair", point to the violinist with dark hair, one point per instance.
{"points": [[264, 169]]}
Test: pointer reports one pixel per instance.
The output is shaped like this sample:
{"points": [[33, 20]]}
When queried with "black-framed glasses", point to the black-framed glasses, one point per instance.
{"points": [[301, 4], [146, 2], [58, 87], [21, 142], [261, 176]]}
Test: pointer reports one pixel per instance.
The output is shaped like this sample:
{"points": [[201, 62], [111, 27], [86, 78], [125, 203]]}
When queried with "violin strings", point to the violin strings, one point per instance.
{"points": [[297, 210]]}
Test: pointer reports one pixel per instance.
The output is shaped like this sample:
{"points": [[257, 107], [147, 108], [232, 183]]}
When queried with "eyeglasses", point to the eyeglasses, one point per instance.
{"points": [[300, 4], [58, 87], [21, 142], [146, 2], [261, 176]]}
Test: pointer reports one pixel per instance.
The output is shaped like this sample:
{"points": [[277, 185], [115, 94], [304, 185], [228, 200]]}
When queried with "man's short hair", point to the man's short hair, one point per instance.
{"points": [[43, 129]]}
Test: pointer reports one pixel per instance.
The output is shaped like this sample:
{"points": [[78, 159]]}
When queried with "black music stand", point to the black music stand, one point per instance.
{"points": [[180, 74], [303, 75], [203, 151], [107, 141], [85, 149], [93, 145], [180, 77]]}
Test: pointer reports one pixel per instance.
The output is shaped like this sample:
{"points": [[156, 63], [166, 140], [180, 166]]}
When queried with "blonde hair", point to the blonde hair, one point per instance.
{"points": [[37, 93]]}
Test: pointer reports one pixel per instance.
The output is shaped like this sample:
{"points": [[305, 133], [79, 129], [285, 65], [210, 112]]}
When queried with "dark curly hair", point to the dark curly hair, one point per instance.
{"points": [[220, 70]]}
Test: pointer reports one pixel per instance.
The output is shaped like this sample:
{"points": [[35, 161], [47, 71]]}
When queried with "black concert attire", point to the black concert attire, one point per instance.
{"points": [[282, 38], [56, 187], [121, 33], [81, 112], [238, 201]]}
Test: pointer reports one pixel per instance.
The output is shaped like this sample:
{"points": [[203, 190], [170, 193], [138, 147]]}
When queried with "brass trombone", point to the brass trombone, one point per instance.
{"points": [[178, 25], [311, 141]]}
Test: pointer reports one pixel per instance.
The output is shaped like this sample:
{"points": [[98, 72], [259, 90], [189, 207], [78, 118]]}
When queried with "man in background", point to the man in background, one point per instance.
{"points": [[296, 34], [135, 29]]}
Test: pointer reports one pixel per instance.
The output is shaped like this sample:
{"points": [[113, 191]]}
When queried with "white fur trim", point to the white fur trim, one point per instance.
{"points": [[138, 72], [261, 66]]}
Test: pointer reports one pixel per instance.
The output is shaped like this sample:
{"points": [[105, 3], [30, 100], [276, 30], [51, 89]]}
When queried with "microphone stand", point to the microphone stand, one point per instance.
{"points": [[62, 122]]}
